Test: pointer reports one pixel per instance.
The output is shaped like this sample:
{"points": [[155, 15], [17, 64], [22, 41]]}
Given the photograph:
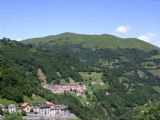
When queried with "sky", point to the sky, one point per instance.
{"points": [[22, 19]]}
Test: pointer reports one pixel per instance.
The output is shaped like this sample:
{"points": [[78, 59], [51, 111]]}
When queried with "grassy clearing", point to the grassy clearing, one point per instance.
{"points": [[71, 82], [1, 45], [27, 99], [92, 76], [63, 82], [41, 75], [34, 99], [155, 57], [110, 64], [96, 78], [156, 88], [155, 72], [97, 86], [6, 101], [32, 50]]}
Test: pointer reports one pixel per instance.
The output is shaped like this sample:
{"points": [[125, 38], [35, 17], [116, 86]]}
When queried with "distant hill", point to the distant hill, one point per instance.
{"points": [[93, 41]]}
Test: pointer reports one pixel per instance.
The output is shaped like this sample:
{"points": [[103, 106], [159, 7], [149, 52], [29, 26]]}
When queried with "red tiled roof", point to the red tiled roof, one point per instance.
{"points": [[23, 105], [53, 107], [49, 103]]}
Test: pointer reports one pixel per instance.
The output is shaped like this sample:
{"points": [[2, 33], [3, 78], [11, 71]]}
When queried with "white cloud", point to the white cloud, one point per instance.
{"points": [[123, 29], [150, 37]]}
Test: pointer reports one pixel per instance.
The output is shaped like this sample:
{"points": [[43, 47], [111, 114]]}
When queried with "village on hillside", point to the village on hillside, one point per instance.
{"points": [[74, 88], [46, 110], [78, 90]]}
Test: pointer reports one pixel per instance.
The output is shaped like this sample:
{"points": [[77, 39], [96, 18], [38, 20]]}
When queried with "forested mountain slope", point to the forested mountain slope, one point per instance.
{"points": [[119, 75]]}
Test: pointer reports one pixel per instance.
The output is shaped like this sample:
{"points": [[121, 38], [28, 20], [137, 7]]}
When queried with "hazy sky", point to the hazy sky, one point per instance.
{"points": [[21, 19]]}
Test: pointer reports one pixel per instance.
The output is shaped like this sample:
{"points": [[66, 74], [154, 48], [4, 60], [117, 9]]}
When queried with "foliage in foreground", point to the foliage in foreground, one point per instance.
{"points": [[12, 117]]}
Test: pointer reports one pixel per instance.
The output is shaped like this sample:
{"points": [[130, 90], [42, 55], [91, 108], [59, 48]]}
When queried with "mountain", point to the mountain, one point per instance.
{"points": [[93, 41], [120, 75]]}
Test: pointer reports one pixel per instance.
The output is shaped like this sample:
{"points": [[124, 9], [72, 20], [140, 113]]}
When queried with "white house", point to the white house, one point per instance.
{"points": [[43, 109], [61, 109], [49, 109], [53, 110], [12, 108], [25, 107]]}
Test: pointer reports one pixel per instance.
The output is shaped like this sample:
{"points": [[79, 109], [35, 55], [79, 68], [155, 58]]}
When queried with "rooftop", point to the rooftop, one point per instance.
{"points": [[43, 105], [23, 105]]}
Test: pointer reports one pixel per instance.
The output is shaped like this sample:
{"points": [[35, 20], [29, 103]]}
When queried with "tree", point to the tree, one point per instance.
{"points": [[154, 52], [31, 110], [1, 111], [12, 117], [23, 113]]}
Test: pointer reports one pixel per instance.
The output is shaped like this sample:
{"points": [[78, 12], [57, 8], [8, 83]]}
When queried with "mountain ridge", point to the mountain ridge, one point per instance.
{"points": [[93, 41]]}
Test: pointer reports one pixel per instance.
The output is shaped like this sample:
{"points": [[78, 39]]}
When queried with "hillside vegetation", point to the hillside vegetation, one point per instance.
{"points": [[118, 79], [92, 41]]}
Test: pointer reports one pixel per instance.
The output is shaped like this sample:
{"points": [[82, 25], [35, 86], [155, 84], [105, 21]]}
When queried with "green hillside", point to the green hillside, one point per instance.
{"points": [[92, 41], [117, 80], [149, 111]]}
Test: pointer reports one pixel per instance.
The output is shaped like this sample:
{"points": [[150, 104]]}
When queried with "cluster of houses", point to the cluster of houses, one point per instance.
{"points": [[10, 108], [79, 90], [40, 109]]}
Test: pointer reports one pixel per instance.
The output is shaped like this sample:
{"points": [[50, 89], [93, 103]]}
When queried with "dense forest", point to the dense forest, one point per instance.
{"points": [[130, 76]]}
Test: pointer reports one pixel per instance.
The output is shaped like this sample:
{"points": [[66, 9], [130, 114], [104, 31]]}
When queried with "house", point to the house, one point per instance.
{"points": [[57, 89], [49, 109], [49, 103], [12, 108], [43, 109], [63, 109], [52, 108], [25, 107], [35, 109]]}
